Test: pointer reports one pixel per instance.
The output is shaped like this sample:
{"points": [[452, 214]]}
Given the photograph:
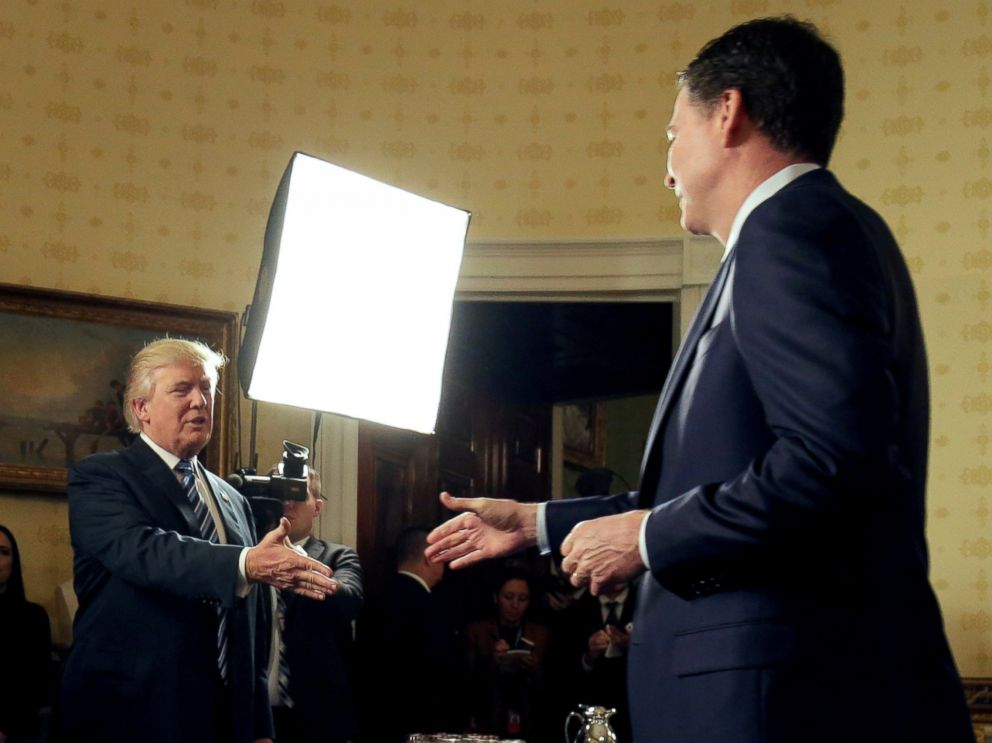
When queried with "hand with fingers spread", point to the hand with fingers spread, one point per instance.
{"points": [[604, 551], [487, 527], [274, 561]]}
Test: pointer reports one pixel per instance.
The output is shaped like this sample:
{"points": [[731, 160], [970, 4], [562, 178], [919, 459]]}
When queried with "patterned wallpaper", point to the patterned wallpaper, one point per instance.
{"points": [[141, 143]]}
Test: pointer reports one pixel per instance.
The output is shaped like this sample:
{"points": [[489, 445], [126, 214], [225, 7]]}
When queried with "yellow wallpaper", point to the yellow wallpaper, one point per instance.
{"points": [[141, 143]]}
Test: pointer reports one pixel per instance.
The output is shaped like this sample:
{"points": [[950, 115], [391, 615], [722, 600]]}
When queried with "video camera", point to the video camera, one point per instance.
{"points": [[266, 493]]}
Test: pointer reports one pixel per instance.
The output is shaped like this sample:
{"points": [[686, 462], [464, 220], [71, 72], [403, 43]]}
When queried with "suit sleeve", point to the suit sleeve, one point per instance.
{"points": [[562, 515], [811, 321], [347, 603], [109, 525]]}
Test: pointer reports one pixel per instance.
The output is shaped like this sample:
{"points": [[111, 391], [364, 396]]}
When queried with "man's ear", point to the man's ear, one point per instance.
{"points": [[733, 118], [140, 408], [318, 504]]}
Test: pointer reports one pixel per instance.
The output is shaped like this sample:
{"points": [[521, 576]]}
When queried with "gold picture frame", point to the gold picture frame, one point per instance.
{"points": [[62, 371]]}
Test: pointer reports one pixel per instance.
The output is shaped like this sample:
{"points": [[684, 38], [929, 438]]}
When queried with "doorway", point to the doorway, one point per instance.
{"points": [[516, 372]]}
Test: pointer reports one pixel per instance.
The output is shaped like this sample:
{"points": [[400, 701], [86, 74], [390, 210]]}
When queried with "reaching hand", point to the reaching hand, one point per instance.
{"points": [[274, 562], [488, 527]]}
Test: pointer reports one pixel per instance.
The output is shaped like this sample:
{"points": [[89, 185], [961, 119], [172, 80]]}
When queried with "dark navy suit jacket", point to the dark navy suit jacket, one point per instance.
{"points": [[320, 650], [788, 597], [144, 661]]}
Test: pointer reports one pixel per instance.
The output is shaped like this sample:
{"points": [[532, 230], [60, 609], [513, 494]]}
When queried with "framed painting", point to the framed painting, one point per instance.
{"points": [[62, 373], [584, 434]]}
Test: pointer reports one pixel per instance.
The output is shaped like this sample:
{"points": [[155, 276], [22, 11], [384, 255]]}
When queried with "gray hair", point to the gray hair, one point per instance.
{"points": [[157, 355]]}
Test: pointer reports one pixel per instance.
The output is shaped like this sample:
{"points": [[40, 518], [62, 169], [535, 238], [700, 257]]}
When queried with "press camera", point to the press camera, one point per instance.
{"points": [[266, 493]]}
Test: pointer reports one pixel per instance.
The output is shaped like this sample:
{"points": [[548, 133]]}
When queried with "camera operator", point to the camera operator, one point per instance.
{"points": [[311, 666], [171, 634]]}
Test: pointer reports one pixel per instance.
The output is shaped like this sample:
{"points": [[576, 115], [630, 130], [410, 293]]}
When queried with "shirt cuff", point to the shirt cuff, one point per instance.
{"points": [[243, 585], [642, 541], [543, 543]]}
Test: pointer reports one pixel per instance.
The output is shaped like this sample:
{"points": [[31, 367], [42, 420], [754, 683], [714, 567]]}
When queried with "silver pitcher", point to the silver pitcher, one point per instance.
{"points": [[594, 725]]}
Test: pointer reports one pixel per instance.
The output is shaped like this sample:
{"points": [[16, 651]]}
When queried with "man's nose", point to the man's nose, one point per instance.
{"points": [[669, 181]]}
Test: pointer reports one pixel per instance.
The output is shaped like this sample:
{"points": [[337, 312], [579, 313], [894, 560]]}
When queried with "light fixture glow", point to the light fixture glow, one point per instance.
{"points": [[353, 302]]}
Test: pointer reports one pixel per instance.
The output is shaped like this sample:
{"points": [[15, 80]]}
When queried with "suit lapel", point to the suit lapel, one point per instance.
{"points": [[686, 352], [164, 491], [234, 525], [313, 548]]}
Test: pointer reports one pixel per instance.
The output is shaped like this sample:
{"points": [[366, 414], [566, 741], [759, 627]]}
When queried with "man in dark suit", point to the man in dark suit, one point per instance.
{"points": [[780, 520], [595, 657], [312, 662], [170, 636], [408, 644]]}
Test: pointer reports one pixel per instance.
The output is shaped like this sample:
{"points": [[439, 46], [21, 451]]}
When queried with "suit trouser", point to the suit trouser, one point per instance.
{"points": [[223, 713]]}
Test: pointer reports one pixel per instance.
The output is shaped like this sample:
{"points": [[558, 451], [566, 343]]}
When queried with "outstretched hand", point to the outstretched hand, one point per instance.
{"points": [[274, 561], [487, 527]]}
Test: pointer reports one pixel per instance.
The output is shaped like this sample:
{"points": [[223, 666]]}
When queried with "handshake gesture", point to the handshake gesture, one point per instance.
{"points": [[598, 553], [278, 563]]}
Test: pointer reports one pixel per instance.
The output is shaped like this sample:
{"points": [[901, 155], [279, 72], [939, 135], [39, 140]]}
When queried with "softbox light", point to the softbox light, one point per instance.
{"points": [[352, 306]]}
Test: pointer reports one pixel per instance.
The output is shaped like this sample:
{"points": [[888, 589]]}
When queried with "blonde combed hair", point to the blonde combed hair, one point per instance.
{"points": [[157, 355]]}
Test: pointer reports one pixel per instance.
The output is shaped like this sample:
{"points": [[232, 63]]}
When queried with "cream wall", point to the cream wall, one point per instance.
{"points": [[141, 143]]}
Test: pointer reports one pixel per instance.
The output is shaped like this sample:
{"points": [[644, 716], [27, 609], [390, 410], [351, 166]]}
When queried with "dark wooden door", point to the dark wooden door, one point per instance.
{"points": [[482, 448]]}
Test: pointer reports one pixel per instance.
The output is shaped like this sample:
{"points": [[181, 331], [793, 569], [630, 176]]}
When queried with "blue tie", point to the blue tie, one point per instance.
{"points": [[208, 530]]}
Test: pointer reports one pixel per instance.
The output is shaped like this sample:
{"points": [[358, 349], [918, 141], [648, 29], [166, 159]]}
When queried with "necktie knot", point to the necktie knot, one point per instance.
{"points": [[184, 467]]}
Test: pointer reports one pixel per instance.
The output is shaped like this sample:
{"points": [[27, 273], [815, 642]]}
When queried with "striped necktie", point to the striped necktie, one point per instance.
{"points": [[208, 530], [285, 700]]}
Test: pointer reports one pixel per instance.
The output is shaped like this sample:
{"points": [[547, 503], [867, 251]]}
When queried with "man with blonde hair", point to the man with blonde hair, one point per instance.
{"points": [[170, 635]]}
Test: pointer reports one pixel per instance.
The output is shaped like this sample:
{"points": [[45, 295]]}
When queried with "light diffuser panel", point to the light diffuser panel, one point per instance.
{"points": [[355, 293]]}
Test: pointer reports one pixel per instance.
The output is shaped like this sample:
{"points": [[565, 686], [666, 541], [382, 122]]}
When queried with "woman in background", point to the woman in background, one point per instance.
{"points": [[505, 655], [25, 647]]}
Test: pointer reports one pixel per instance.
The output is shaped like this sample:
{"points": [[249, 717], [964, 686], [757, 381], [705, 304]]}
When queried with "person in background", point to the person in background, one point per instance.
{"points": [[312, 662], [505, 655], [408, 647], [25, 651], [599, 637], [171, 635]]}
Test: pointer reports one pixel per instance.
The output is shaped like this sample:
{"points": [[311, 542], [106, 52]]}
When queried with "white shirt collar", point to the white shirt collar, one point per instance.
{"points": [[763, 192], [417, 578], [167, 456], [619, 598]]}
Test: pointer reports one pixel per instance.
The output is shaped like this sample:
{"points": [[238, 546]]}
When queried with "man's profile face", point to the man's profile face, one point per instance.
{"points": [[693, 162], [301, 514], [178, 412]]}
